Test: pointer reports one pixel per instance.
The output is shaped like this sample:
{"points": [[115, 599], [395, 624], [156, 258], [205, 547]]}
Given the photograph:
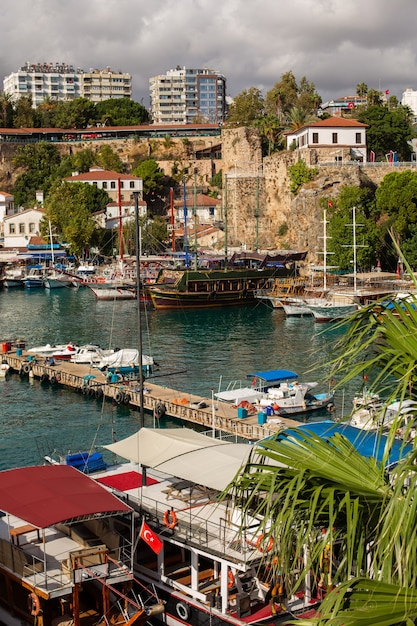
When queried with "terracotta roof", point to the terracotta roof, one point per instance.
{"points": [[100, 175], [201, 200], [337, 122]]}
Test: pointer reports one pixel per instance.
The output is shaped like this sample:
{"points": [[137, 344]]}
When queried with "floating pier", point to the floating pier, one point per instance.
{"points": [[159, 400]]}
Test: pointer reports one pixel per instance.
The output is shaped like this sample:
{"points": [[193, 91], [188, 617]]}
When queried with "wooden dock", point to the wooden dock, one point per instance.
{"points": [[195, 410]]}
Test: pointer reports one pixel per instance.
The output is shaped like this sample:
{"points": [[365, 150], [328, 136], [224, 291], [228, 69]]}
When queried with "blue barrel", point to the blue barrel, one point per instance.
{"points": [[18, 351], [31, 358], [241, 412], [269, 411], [262, 418], [114, 378]]}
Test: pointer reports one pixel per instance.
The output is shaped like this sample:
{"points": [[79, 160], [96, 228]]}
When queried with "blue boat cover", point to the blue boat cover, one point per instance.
{"points": [[274, 376], [367, 443]]}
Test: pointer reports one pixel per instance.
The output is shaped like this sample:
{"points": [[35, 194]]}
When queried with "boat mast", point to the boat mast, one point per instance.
{"points": [[141, 378], [119, 202], [185, 223], [225, 221], [195, 221], [52, 244], [171, 206]]}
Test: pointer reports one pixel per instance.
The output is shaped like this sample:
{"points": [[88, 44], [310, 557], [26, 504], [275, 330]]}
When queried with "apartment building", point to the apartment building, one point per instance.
{"points": [[184, 95], [98, 85], [62, 82]]}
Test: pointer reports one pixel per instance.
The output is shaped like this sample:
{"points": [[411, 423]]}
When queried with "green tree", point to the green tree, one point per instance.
{"points": [[369, 236], [270, 132], [77, 113], [282, 97], [121, 112], [154, 234], [361, 90], [396, 197], [45, 113], [69, 208], [388, 130], [153, 178], [24, 114], [300, 174], [108, 159], [247, 107], [6, 110], [40, 163]]}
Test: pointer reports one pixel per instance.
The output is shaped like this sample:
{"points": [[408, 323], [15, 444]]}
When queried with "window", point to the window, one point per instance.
{"points": [[132, 184], [112, 184], [105, 184], [358, 138], [334, 137], [21, 228], [315, 137], [12, 229], [31, 227]]}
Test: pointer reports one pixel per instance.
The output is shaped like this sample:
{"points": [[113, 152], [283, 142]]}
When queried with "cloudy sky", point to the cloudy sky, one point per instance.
{"points": [[334, 43]]}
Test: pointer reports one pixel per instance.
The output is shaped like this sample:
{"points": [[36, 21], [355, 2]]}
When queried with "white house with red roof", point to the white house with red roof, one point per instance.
{"points": [[333, 139], [110, 181]]}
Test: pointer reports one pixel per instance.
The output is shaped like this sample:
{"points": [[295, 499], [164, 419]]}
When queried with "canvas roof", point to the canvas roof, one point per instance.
{"points": [[184, 453], [274, 376], [45, 495]]}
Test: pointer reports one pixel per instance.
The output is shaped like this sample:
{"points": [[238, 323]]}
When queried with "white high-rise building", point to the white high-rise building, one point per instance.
{"points": [[62, 82], [409, 99], [183, 95], [57, 81]]}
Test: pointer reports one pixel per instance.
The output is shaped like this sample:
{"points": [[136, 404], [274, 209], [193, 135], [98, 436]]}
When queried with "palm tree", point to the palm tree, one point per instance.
{"points": [[355, 519]]}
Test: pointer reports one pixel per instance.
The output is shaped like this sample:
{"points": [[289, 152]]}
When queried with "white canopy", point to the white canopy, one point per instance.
{"points": [[184, 453], [124, 358]]}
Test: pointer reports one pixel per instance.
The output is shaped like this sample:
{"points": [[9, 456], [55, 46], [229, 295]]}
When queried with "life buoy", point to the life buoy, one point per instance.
{"points": [[260, 542], [119, 397], [34, 604], [230, 579], [183, 611], [26, 368], [170, 519]]}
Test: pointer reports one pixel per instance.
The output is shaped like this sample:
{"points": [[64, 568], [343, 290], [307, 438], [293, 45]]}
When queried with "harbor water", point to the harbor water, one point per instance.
{"points": [[197, 352]]}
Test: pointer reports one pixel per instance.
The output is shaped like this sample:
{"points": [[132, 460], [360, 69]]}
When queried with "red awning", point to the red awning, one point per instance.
{"points": [[48, 494]]}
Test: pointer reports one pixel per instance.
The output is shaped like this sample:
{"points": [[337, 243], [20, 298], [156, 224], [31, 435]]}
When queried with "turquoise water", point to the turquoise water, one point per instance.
{"points": [[197, 351]]}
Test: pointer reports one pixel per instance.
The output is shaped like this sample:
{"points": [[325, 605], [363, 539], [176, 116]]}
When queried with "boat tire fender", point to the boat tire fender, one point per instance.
{"points": [[92, 392], [98, 393], [26, 368], [330, 407], [126, 398], [160, 410], [183, 611], [55, 379], [44, 378], [84, 390], [170, 519], [34, 604], [118, 397]]}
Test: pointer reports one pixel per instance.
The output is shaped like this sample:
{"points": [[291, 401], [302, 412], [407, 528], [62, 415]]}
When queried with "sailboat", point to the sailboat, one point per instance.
{"points": [[56, 279]]}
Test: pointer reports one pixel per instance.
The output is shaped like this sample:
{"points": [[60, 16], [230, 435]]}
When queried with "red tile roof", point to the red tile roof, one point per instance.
{"points": [[100, 175]]}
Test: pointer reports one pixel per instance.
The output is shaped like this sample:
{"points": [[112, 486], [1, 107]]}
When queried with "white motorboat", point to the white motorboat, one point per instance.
{"points": [[295, 307], [47, 350], [125, 359], [329, 311], [90, 354]]}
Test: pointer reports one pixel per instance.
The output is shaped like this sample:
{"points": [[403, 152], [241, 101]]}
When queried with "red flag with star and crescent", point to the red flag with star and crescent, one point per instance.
{"points": [[150, 538]]}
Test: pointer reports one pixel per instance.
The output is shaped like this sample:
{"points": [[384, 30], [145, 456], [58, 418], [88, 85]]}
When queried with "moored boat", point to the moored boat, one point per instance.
{"points": [[233, 285], [207, 562], [329, 311], [67, 557]]}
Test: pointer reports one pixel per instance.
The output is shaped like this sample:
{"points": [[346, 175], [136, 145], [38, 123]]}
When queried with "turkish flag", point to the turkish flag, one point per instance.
{"points": [[150, 538]]}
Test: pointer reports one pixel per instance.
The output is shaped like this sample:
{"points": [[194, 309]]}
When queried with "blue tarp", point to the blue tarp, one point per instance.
{"points": [[271, 377], [367, 443]]}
